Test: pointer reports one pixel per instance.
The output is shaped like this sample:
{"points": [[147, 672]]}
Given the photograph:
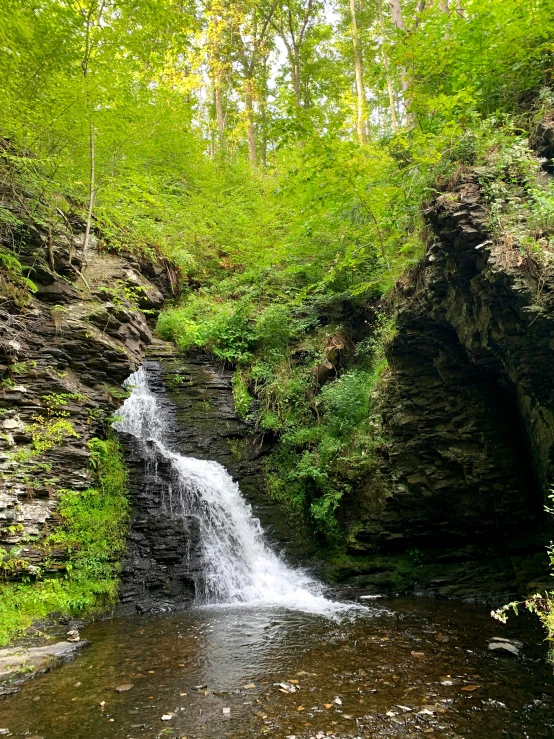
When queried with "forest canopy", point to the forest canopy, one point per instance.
{"points": [[237, 136]]}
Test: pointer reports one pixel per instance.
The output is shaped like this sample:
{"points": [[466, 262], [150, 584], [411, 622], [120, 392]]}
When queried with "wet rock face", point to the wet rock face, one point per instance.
{"points": [[199, 394], [469, 408], [63, 357], [163, 562]]}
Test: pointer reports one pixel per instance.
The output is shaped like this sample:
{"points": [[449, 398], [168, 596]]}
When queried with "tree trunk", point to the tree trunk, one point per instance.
{"points": [[295, 72], [218, 100], [249, 103], [398, 23], [392, 107], [90, 197], [360, 92], [444, 6], [396, 14], [394, 119], [89, 22]]}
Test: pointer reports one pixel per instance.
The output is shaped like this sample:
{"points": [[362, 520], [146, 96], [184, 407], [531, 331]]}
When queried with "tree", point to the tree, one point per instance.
{"points": [[291, 22], [92, 19], [386, 67], [360, 91], [251, 22]]}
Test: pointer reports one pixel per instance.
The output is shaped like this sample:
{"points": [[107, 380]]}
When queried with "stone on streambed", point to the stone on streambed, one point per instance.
{"points": [[505, 646]]}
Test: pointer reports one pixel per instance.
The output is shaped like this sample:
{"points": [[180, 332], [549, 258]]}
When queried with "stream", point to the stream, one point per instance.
{"points": [[264, 651]]}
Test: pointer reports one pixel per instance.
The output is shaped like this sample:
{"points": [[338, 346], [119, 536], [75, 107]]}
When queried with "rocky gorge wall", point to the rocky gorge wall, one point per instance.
{"points": [[63, 357], [467, 412]]}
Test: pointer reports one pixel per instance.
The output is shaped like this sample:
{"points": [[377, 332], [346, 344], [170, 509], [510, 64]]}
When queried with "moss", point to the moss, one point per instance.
{"points": [[93, 533]]}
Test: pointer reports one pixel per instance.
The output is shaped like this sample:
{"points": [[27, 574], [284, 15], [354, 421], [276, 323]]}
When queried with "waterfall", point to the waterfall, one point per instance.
{"points": [[239, 567]]}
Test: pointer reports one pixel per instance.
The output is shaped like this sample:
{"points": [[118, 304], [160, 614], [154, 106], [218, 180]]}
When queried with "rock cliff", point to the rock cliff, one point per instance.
{"points": [[63, 355], [468, 407]]}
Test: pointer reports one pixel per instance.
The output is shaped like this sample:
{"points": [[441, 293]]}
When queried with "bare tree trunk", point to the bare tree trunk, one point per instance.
{"points": [[220, 118], [295, 73], [251, 133], [89, 22], [392, 107], [293, 38], [263, 113], [460, 9], [396, 14], [360, 92], [398, 23], [444, 6], [394, 119]]}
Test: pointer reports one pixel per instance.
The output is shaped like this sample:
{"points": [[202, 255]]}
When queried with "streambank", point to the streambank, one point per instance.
{"points": [[63, 359]]}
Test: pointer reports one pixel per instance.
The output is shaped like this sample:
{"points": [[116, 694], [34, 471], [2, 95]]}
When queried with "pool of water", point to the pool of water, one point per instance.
{"points": [[400, 668]]}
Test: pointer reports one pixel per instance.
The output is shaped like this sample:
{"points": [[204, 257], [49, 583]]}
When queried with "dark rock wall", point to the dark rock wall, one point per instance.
{"points": [[163, 562], [468, 408], [78, 338]]}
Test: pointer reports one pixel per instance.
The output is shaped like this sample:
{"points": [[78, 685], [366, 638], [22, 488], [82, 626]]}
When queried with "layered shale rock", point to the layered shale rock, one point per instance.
{"points": [[63, 356], [468, 409]]}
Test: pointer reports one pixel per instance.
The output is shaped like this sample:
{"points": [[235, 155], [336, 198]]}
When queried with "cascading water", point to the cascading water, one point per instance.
{"points": [[239, 567]]}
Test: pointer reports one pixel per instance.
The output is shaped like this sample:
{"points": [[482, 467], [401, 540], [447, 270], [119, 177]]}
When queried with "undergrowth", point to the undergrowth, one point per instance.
{"points": [[93, 534]]}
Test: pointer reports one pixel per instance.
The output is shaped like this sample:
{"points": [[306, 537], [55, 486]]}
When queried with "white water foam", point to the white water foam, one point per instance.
{"points": [[239, 567]]}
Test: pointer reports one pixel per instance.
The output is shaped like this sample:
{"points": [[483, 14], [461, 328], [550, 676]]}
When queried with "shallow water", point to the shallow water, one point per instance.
{"points": [[366, 662]]}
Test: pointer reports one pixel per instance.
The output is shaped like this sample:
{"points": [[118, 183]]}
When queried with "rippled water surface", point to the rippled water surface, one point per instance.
{"points": [[399, 670]]}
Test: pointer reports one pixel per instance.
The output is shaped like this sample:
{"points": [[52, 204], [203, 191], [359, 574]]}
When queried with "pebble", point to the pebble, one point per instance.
{"points": [[167, 717], [226, 711], [123, 688]]}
